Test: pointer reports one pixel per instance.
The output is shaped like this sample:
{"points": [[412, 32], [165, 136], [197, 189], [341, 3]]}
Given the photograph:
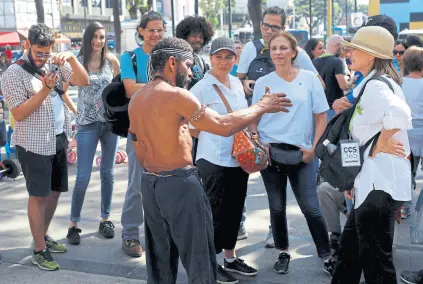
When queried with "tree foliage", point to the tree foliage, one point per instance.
{"points": [[212, 8]]}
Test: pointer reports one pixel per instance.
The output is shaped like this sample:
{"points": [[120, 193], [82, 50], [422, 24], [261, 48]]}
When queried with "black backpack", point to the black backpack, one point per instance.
{"points": [[116, 103], [262, 64], [331, 168]]}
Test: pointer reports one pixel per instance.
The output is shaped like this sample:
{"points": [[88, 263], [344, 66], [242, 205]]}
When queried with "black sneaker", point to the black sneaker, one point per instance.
{"points": [[412, 277], [107, 229], [73, 235], [329, 267], [240, 267], [282, 265], [224, 276]]}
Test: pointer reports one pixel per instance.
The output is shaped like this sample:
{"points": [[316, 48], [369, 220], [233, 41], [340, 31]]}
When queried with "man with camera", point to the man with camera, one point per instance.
{"points": [[31, 88]]}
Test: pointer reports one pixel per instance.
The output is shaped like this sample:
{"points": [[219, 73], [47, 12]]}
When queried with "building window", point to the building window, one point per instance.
{"points": [[7, 14], [96, 3], [83, 3]]}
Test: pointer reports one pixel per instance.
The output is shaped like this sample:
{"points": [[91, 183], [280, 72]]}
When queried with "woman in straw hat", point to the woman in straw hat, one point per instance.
{"points": [[381, 186]]}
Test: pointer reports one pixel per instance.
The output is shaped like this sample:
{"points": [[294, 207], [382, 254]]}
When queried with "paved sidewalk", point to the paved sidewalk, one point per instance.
{"points": [[96, 256]]}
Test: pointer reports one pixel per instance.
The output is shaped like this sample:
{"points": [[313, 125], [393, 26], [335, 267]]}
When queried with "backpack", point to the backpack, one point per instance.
{"points": [[331, 168], [262, 64], [199, 68], [116, 103]]}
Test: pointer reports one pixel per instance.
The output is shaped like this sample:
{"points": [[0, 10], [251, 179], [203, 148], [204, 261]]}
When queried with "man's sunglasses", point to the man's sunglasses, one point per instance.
{"points": [[400, 52], [274, 28], [42, 54]]}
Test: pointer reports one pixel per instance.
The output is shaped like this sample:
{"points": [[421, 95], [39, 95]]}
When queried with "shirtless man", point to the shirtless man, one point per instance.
{"points": [[178, 220]]}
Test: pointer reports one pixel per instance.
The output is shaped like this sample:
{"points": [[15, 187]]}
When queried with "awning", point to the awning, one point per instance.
{"points": [[10, 38], [23, 33], [62, 39]]}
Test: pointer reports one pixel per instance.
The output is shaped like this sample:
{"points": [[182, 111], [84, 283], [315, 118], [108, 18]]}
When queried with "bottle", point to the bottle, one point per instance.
{"points": [[331, 147]]}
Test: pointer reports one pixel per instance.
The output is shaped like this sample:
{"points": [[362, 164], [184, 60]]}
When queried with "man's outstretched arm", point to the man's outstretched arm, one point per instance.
{"points": [[206, 119]]}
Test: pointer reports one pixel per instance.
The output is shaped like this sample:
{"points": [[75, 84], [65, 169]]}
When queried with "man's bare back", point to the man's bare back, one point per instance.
{"points": [[163, 135]]}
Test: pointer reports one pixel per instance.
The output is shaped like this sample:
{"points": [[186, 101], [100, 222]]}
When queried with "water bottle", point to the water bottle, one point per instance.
{"points": [[331, 147]]}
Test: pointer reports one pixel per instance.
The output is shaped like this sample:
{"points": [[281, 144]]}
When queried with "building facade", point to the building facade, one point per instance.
{"points": [[408, 14]]}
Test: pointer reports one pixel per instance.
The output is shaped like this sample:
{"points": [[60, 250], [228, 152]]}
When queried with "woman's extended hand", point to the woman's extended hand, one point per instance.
{"points": [[308, 155]]}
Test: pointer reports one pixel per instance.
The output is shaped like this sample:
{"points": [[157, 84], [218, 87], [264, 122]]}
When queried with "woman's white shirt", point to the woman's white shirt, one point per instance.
{"points": [[214, 148], [296, 126], [381, 108]]}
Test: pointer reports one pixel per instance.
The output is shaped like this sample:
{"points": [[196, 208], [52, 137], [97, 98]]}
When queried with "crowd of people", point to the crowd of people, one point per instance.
{"points": [[184, 184]]}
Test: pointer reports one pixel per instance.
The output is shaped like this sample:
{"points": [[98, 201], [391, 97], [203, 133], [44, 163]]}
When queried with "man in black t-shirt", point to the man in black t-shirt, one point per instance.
{"points": [[333, 72]]}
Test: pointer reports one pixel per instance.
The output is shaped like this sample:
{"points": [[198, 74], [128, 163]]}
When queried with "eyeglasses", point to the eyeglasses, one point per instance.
{"points": [[275, 28], [42, 54], [400, 52], [155, 30]]}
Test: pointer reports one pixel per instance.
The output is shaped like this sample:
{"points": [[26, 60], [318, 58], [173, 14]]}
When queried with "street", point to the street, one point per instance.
{"points": [[98, 260]]}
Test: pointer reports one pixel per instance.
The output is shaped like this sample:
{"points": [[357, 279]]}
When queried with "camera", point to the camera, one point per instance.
{"points": [[54, 68]]}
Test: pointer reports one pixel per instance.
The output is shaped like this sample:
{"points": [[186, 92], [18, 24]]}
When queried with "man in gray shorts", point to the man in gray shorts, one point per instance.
{"points": [[178, 220], [41, 131]]}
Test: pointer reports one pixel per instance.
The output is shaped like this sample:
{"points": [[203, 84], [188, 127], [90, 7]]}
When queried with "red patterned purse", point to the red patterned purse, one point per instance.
{"points": [[249, 153]]}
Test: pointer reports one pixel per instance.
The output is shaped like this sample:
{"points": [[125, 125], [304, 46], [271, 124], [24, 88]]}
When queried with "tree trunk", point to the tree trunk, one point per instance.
{"points": [[254, 9], [117, 27], [40, 11], [150, 5]]}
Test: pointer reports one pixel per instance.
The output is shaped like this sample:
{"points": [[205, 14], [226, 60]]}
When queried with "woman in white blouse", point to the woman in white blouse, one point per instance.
{"points": [[224, 181], [381, 186]]}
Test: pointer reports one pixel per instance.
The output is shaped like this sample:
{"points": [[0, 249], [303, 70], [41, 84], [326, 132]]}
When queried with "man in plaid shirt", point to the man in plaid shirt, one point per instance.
{"points": [[41, 132]]}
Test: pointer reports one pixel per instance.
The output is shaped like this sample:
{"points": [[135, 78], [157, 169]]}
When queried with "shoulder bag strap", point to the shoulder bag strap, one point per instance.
{"points": [[225, 101], [37, 73], [134, 61]]}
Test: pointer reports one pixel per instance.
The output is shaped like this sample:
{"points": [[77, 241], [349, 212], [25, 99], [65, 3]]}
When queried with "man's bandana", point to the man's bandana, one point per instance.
{"points": [[184, 54]]}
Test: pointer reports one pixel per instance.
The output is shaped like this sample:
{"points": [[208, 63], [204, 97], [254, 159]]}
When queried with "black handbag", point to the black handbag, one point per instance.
{"points": [[285, 155]]}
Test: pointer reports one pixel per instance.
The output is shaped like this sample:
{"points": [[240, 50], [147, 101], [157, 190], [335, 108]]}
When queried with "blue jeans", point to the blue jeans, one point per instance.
{"points": [[87, 140], [303, 183], [132, 212]]}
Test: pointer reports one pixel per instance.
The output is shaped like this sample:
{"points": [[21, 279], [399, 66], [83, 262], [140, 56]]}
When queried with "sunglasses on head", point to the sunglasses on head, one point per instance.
{"points": [[400, 52]]}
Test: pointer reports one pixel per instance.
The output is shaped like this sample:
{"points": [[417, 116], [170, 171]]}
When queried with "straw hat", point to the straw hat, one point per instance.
{"points": [[375, 41]]}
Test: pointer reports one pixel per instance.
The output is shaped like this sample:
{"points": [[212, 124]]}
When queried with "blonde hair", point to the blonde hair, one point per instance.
{"points": [[386, 67]]}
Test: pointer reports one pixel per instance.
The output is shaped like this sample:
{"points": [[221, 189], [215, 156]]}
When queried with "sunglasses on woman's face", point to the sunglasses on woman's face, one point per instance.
{"points": [[400, 52]]}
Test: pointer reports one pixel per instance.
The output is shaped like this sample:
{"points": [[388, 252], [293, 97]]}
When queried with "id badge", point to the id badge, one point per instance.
{"points": [[350, 150]]}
